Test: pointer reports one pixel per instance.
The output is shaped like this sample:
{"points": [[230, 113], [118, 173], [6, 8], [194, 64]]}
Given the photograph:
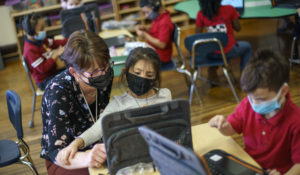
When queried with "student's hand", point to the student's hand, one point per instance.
{"points": [[140, 27], [97, 156], [222, 125], [140, 33], [57, 52], [273, 172], [217, 121], [69, 152]]}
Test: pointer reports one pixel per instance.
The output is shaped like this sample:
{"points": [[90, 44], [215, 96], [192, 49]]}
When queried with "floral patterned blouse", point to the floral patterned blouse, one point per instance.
{"points": [[65, 113]]}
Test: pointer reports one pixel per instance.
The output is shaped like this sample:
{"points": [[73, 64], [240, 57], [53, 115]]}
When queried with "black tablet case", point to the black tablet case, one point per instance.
{"points": [[173, 159], [123, 142]]}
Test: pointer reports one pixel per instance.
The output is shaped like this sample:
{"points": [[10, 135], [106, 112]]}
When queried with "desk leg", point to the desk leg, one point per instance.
{"points": [[1, 62], [294, 50]]}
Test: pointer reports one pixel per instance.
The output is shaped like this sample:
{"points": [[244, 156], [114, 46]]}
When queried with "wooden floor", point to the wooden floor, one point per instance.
{"points": [[219, 100]]}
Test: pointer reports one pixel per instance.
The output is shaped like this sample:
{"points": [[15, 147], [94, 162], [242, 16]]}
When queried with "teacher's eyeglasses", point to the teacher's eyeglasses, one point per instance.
{"points": [[99, 71]]}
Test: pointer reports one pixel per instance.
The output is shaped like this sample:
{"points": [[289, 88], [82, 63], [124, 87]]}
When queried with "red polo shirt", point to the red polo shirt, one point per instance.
{"points": [[226, 15], [274, 143], [162, 28], [38, 56]]}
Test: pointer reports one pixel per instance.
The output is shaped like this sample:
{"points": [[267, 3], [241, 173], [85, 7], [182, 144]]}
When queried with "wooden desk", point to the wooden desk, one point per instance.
{"points": [[205, 139], [107, 34]]}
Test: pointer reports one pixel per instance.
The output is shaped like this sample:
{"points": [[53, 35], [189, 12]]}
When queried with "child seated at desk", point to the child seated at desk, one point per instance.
{"points": [[40, 52], [70, 4], [161, 31], [142, 72], [267, 117], [215, 17]]}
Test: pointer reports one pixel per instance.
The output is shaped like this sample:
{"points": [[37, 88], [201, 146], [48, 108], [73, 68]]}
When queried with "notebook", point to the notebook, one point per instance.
{"points": [[286, 3], [237, 4], [174, 159]]}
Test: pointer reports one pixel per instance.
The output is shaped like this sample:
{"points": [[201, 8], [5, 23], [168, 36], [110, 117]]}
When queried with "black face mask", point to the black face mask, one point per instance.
{"points": [[102, 81], [139, 85]]}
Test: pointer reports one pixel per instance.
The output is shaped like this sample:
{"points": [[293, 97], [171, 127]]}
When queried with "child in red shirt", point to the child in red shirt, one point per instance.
{"points": [[215, 17], [160, 34], [268, 119], [40, 52]]}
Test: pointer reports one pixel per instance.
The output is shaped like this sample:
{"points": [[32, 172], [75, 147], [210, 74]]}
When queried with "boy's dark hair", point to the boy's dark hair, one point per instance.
{"points": [[154, 4], [210, 8], [266, 69], [147, 54], [83, 49], [29, 22]]}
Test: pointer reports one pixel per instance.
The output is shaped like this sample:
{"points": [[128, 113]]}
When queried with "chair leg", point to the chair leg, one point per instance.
{"points": [[292, 52], [30, 165], [192, 89], [186, 74], [31, 122], [231, 85]]}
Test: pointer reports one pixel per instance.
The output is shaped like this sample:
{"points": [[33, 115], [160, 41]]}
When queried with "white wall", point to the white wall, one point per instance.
{"points": [[7, 34]]}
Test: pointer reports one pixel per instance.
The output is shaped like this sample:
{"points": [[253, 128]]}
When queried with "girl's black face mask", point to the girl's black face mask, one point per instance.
{"points": [[139, 85], [102, 81]]}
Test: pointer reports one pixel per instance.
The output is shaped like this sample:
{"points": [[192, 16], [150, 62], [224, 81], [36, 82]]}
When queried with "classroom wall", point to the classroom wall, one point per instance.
{"points": [[7, 35]]}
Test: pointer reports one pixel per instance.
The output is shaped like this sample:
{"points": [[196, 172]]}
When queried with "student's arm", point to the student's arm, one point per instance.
{"points": [[94, 158], [40, 63], [162, 38], [154, 41], [295, 170], [222, 125], [236, 25], [141, 27]]}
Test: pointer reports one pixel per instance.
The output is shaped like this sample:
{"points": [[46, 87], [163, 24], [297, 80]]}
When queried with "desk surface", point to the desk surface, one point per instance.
{"points": [[108, 34], [205, 139], [253, 9]]}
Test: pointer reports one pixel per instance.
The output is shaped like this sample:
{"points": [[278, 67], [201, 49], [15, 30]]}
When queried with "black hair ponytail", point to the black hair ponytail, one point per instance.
{"points": [[210, 8]]}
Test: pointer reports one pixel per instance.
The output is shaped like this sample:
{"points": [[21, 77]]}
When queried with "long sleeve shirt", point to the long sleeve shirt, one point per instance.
{"points": [[38, 56]]}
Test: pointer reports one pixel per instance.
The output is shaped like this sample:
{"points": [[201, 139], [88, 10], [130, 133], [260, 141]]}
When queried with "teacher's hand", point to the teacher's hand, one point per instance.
{"points": [[97, 156], [69, 152]]}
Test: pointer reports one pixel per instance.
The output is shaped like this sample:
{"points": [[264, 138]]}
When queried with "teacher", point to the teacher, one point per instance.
{"points": [[73, 101]]}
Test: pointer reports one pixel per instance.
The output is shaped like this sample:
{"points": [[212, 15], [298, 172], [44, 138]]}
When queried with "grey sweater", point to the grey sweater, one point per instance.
{"points": [[120, 103]]}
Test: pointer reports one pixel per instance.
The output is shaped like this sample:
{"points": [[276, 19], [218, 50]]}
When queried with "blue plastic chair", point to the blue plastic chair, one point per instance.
{"points": [[35, 92], [202, 47], [180, 64], [10, 151], [173, 64], [294, 58]]}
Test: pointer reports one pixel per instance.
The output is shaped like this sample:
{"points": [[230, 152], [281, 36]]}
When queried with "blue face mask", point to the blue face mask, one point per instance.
{"points": [[41, 36], [152, 16], [268, 106]]}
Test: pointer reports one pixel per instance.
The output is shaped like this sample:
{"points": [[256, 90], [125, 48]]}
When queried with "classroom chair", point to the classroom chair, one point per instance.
{"points": [[201, 45], [84, 17], [183, 68], [180, 64], [294, 58], [10, 151], [119, 63], [35, 92], [172, 65]]}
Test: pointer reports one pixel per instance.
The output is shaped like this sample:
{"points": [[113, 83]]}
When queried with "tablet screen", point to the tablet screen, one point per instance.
{"points": [[234, 3]]}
